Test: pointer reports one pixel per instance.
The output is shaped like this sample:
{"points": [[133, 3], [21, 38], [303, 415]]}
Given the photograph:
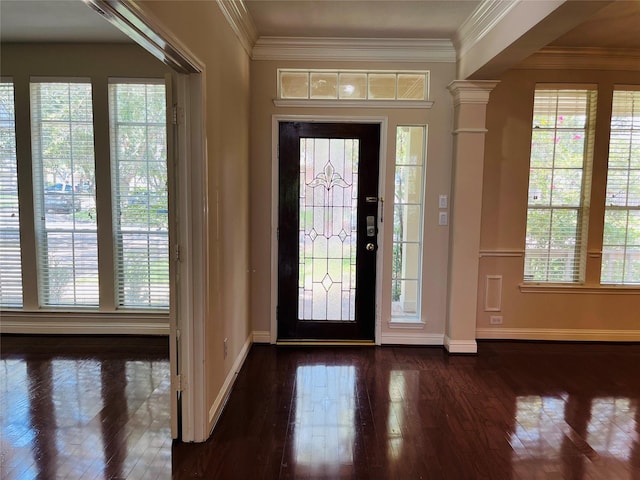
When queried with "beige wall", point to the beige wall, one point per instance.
{"points": [[439, 121], [202, 29], [594, 314], [78, 60]]}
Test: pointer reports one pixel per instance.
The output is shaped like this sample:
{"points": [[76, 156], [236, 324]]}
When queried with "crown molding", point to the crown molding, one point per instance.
{"points": [[354, 49], [481, 21], [240, 21], [582, 58]]}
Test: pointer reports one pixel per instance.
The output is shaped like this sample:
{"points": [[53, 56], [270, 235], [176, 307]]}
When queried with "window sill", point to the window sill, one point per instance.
{"points": [[87, 312], [85, 322], [407, 324], [579, 289]]}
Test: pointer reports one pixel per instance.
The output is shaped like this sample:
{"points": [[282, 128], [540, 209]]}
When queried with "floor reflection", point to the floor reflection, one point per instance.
{"points": [[395, 417], [114, 416], [576, 436], [83, 418], [42, 417], [324, 427], [523, 411], [403, 389]]}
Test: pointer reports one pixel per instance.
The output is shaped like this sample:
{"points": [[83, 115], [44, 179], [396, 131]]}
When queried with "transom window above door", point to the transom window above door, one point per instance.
{"points": [[353, 85]]}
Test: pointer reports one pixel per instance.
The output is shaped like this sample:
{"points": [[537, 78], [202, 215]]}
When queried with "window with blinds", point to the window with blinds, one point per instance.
{"points": [[621, 239], [10, 258], [139, 190], [64, 191], [559, 185]]}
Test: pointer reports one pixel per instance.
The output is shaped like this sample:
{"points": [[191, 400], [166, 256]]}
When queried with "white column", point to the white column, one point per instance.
{"points": [[470, 99]]}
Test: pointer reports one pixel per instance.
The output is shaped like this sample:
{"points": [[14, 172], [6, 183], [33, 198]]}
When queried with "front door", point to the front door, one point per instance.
{"points": [[327, 230]]}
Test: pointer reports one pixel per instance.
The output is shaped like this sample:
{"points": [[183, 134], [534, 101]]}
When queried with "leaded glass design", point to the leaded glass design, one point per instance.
{"points": [[328, 222]]}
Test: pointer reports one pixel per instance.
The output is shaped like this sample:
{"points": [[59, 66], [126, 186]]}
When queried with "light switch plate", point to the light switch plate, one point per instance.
{"points": [[443, 201], [443, 218]]}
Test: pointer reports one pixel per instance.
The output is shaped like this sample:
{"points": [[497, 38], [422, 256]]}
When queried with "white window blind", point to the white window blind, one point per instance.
{"points": [[621, 240], [10, 258], [139, 171], [407, 223], [64, 191], [559, 185]]}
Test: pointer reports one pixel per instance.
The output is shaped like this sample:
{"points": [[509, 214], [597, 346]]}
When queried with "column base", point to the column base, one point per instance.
{"points": [[460, 346]]}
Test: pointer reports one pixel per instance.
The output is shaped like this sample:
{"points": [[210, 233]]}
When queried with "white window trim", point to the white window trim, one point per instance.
{"points": [[415, 321]]}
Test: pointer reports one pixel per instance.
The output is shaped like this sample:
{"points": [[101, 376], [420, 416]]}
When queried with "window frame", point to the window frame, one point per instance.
{"points": [[119, 266], [631, 204], [419, 227], [63, 200], [31, 209], [582, 210], [14, 213]]}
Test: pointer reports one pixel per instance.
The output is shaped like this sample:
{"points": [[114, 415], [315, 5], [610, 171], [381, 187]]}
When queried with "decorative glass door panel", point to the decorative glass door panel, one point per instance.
{"points": [[326, 261], [328, 228]]}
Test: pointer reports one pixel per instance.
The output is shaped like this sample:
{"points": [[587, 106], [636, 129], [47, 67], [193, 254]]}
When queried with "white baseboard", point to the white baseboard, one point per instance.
{"points": [[560, 334], [225, 391], [404, 338], [460, 346], [261, 336], [87, 323]]}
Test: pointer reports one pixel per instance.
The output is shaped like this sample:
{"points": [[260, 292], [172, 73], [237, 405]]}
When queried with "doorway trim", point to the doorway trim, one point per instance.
{"points": [[190, 253], [275, 122]]}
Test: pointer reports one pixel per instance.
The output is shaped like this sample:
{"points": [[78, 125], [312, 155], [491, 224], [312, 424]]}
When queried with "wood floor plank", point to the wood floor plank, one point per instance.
{"points": [[98, 408]]}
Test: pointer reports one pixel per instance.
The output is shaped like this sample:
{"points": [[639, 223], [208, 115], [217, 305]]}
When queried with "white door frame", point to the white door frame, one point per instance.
{"points": [[191, 251], [192, 299], [275, 123]]}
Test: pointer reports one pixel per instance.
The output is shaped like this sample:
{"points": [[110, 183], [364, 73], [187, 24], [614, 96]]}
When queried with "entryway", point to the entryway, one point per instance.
{"points": [[327, 230]]}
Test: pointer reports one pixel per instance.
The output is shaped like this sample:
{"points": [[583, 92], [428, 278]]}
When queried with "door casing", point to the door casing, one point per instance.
{"points": [[276, 119]]}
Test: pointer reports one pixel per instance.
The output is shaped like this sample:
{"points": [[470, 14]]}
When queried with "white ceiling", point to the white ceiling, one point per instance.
{"points": [[54, 21], [360, 18], [615, 26], [73, 21]]}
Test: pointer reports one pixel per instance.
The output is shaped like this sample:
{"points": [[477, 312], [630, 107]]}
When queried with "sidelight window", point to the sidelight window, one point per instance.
{"points": [[408, 222]]}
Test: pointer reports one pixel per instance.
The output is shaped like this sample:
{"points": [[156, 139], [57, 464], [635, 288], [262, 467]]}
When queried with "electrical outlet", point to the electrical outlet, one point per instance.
{"points": [[495, 319], [226, 347]]}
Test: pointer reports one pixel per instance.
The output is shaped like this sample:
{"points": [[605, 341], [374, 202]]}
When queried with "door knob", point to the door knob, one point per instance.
{"points": [[370, 247]]}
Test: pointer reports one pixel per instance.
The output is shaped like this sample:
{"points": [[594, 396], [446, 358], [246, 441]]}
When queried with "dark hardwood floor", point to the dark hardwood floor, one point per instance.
{"points": [[517, 410], [84, 407]]}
